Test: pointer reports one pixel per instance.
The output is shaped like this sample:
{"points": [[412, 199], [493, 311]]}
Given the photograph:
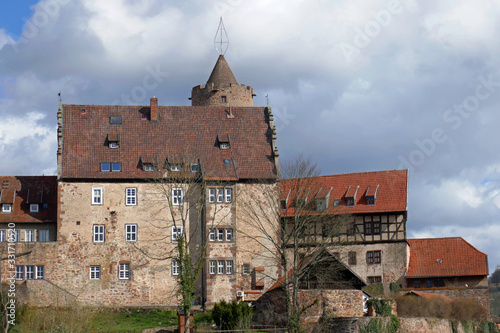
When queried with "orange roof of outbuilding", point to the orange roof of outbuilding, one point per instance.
{"points": [[440, 257]]}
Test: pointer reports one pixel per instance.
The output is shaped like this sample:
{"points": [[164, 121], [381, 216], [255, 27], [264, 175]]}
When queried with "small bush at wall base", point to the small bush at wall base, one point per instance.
{"points": [[381, 325], [383, 307], [232, 316]]}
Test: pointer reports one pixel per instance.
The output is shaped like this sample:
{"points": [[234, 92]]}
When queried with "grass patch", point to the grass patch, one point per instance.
{"points": [[78, 319]]}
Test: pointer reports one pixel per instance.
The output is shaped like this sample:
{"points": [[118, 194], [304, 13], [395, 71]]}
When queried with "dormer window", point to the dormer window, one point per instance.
{"points": [[148, 167], [350, 196], [283, 204], [175, 167], [224, 141], [6, 208], [321, 205], [195, 167], [371, 195], [113, 141]]}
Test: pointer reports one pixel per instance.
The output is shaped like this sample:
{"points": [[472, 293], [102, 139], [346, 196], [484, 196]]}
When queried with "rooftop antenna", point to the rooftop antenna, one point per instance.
{"points": [[221, 41], [60, 97]]}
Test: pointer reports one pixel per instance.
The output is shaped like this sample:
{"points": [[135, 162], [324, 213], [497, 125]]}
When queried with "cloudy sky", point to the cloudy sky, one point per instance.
{"points": [[358, 85]]}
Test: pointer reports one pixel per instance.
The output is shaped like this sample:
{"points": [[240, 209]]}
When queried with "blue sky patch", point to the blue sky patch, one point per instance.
{"points": [[14, 14]]}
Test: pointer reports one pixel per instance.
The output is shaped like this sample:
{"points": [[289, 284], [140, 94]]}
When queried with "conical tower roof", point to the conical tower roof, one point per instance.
{"points": [[221, 74]]}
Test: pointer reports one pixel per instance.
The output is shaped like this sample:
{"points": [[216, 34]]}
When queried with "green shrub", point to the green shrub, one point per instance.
{"points": [[232, 316], [375, 289], [394, 287], [380, 325]]}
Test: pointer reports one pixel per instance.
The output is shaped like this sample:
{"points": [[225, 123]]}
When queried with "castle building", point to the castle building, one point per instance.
{"points": [[132, 179]]}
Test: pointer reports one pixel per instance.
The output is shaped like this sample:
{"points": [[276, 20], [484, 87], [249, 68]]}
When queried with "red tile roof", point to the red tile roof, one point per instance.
{"points": [[391, 193], [30, 190], [440, 257], [183, 133]]}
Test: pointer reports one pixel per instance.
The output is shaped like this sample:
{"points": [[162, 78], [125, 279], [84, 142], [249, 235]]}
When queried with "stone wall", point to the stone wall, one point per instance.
{"points": [[479, 294], [236, 95]]}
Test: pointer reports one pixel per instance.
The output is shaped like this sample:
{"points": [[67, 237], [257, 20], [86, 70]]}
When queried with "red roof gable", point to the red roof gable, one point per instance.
{"points": [[439, 257], [182, 133], [391, 192], [41, 190]]}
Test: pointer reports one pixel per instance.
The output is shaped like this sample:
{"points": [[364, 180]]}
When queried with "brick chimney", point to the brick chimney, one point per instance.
{"points": [[153, 113]]}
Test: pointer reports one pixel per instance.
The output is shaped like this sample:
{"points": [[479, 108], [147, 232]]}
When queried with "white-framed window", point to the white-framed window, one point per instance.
{"points": [[175, 167], [29, 235], [211, 234], [229, 267], [19, 272], [211, 266], [6, 208], [131, 196], [30, 272], [220, 234], [98, 232], [220, 195], [124, 271], [246, 269], [130, 232], [220, 267], [175, 267], [43, 235], [229, 234], [40, 272], [95, 272], [229, 195], [148, 167], [34, 208], [211, 195], [2, 235], [97, 195], [176, 233], [177, 196]]}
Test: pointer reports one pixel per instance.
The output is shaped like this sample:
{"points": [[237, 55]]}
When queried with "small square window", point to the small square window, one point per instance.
{"points": [[40, 272], [175, 267], [177, 196], [113, 145], [246, 269], [223, 99], [370, 200], [336, 203], [130, 196], [229, 195], [229, 234], [175, 167], [105, 167], [211, 266], [131, 232], [98, 233], [224, 145], [95, 272], [220, 267], [195, 167], [124, 271], [29, 235], [43, 235], [148, 167], [176, 233], [350, 202], [428, 283], [97, 195], [229, 267], [211, 234], [19, 272], [416, 284], [211, 195], [34, 208], [6, 208], [30, 272], [220, 234], [116, 167]]}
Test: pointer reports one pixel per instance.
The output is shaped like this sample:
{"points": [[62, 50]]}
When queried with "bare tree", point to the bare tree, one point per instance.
{"points": [[179, 218], [296, 223]]}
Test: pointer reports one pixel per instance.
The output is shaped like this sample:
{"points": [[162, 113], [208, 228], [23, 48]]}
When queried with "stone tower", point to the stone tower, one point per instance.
{"points": [[222, 89]]}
